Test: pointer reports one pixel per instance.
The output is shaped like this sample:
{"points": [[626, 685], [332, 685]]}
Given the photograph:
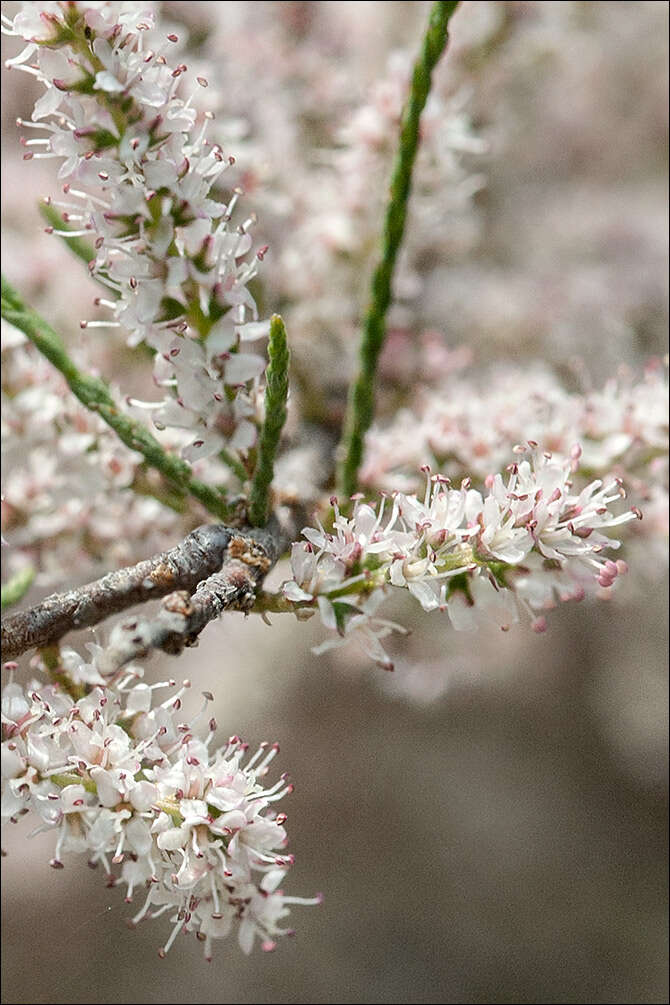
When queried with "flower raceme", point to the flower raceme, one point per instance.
{"points": [[124, 781], [530, 542], [138, 172], [467, 423]]}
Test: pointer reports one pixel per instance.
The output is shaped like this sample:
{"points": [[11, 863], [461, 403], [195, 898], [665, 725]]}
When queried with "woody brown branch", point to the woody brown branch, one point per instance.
{"points": [[243, 558], [182, 617]]}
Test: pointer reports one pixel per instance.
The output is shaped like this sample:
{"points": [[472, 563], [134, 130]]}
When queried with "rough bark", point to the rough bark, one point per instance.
{"points": [[239, 558]]}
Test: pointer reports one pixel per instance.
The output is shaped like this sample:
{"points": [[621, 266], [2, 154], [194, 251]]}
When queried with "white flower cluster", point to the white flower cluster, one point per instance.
{"points": [[67, 480], [529, 542], [127, 783], [467, 424], [139, 172]]}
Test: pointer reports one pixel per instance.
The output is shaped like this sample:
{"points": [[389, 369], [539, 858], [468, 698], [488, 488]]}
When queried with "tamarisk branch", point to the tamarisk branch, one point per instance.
{"points": [[182, 617], [222, 567]]}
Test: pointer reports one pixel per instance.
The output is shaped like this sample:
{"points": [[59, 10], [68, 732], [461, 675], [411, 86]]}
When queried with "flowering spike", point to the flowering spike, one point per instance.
{"points": [[174, 816], [518, 547]]}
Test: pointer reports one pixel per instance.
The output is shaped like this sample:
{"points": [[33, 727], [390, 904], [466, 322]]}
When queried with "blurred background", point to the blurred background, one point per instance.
{"points": [[487, 823]]}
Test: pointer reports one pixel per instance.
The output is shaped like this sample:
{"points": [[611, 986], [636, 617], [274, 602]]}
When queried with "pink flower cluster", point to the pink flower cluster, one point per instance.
{"points": [[529, 542], [138, 172], [72, 493], [129, 784], [466, 424]]}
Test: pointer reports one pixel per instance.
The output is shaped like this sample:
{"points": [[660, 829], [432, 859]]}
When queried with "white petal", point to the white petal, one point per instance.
{"points": [[242, 367]]}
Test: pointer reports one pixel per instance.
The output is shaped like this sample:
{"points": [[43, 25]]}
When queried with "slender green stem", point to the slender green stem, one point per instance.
{"points": [[277, 603], [17, 587], [94, 394], [234, 463], [276, 395], [360, 409]]}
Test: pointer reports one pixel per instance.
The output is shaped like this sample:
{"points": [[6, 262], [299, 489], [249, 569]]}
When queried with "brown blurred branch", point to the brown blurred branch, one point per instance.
{"points": [[228, 563]]}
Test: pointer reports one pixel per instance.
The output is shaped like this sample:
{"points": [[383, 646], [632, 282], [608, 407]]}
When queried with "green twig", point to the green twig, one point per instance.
{"points": [[235, 464], [94, 394], [17, 587], [360, 409], [276, 394], [277, 603]]}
